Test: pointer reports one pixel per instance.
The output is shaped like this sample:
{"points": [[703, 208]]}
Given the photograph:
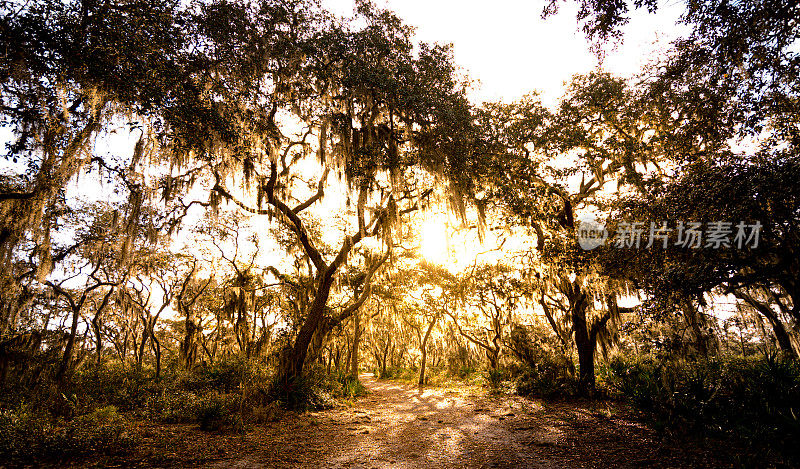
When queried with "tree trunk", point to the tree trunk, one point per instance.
{"points": [[385, 353], [189, 345], [423, 359], [356, 338], [293, 364], [158, 357], [692, 317], [492, 356], [155, 344], [68, 350], [143, 344], [583, 343], [784, 341], [317, 342], [781, 334], [329, 360], [424, 350], [98, 338]]}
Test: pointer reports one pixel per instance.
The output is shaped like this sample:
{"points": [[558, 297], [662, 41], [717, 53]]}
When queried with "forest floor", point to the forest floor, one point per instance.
{"points": [[397, 425]]}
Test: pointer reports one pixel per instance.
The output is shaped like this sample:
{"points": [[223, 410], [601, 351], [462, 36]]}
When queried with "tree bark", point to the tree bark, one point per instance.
{"points": [[781, 334], [293, 365], [189, 345], [385, 353], [356, 339], [68, 349], [98, 339], [424, 350], [692, 317], [583, 341]]}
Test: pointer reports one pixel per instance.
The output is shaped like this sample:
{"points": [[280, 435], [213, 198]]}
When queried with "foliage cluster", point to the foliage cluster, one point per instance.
{"points": [[756, 398], [28, 434], [92, 412]]}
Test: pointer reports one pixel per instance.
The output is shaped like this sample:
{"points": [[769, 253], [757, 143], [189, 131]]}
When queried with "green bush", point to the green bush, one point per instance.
{"points": [[217, 412], [172, 406], [223, 376], [396, 372], [104, 430], [549, 377], [495, 378], [464, 372], [127, 389], [175, 398], [351, 386], [754, 398], [27, 435], [314, 390]]}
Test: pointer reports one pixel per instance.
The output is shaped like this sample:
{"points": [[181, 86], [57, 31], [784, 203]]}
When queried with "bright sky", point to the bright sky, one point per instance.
{"points": [[508, 47]]}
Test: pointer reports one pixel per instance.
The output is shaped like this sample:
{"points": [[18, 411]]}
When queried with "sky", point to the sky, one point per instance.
{"points": [[511, 50]]}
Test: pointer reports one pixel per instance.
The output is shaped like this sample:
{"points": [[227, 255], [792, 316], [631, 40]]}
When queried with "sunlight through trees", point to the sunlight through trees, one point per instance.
{"points": [[213, 211]]}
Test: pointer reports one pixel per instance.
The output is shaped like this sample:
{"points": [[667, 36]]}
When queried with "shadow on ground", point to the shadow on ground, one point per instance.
{"points": [[400, 426]]}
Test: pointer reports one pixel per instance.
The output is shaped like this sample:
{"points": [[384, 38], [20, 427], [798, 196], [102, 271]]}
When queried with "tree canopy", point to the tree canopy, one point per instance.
{"points": [[236, 196]]}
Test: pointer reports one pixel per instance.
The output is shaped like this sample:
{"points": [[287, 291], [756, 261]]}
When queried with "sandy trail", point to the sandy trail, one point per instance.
{"points": [[399, 426]]}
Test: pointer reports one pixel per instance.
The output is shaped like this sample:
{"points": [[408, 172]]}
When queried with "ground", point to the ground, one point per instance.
{"points": [[397, 425]]}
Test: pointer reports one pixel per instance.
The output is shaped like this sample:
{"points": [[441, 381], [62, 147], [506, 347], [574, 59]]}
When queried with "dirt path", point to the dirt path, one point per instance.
{"points": [[399, 426]]}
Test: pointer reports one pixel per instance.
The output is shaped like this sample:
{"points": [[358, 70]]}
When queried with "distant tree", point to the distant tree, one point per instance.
{"points": [[493, 293], [90, 266], [548, 167]]}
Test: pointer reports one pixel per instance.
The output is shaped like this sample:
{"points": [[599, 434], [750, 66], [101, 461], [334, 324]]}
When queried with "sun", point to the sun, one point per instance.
{"points": [[434, 242]]}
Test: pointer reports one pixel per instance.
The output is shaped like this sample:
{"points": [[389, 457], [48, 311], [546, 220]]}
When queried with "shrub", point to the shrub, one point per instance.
{"points": [[173, 406], [309, 391], [267, 413], [223, 376], [639, 380], [104, 430], [463, 372], [495, 377], [217, 412], [755, 398], [27, 435], [316, 389], [548, 377], [351, 386], [396, 372], [127, 389]]}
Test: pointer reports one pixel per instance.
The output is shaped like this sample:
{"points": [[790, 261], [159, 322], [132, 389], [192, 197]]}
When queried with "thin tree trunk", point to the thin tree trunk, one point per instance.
{"points": [[293, 365], [155, 344], [98, 338], [356, 339], [385, 352], [68, 350], [424, 347], [692, 317]]}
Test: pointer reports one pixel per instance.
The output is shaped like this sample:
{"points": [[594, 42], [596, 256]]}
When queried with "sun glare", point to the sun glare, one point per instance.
{"points": [[434, 242]]}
